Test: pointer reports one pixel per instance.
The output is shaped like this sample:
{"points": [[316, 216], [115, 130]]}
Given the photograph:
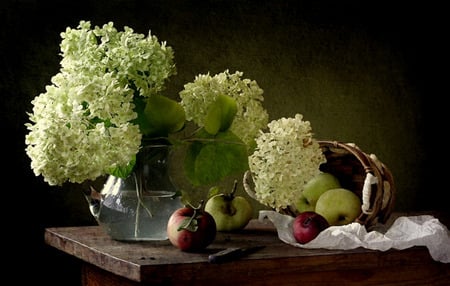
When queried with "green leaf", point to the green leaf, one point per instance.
{"points": [[164, 115], [141, 120], [220, 114], [189, 223], [215, 158], [123, 171], [213, 119], [158, 116], [213, 191]]}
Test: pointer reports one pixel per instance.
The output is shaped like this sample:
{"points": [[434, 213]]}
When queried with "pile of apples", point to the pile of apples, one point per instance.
{"points": [[323, 203], [194, 228]]}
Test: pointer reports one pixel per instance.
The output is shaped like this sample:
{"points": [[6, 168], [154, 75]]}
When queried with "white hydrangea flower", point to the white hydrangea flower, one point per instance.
{"points": [[251, 116], [81, 126], [136, 60], [286, 157]]}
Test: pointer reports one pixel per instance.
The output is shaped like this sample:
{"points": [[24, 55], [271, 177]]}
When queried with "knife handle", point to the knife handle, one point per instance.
{"points": [[225, 255]]}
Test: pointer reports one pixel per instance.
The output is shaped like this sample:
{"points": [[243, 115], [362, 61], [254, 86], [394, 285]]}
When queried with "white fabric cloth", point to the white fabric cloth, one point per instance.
{"points": [[405, 232]]}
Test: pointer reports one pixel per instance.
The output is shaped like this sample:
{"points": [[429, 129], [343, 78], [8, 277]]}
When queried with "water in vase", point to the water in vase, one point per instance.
{"points": [[125, 216]]}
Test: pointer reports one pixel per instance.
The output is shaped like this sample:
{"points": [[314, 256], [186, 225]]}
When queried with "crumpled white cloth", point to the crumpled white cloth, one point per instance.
{"points": [[405, 232]]}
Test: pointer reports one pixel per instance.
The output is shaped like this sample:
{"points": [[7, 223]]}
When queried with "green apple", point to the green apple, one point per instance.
{"points": [[339, 206], [220, 114], [314, 188], [230, 212]]}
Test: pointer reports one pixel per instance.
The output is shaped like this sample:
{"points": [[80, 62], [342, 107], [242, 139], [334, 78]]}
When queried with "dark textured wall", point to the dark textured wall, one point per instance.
{"points": [[362, 73]]}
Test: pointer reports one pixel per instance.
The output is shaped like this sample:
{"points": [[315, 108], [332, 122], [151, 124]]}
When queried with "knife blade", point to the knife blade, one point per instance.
{"points": [[232, 253]]}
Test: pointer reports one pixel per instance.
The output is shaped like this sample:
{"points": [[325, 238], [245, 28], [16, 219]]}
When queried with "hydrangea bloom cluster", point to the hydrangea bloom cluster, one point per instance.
{"points": [[82, 125], [198, 95], [286, 157], [133, 59]]}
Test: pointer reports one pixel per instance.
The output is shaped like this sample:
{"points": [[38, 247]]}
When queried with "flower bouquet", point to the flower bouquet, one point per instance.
{"points": [[107, 102]]}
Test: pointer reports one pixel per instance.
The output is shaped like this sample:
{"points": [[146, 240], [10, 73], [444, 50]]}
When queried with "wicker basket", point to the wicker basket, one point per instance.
{"points": [[359, 172]]}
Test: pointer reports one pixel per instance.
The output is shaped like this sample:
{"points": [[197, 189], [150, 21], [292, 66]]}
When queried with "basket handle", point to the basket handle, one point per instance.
{"points": [[367, 192], [370, 178], [246, 183]]}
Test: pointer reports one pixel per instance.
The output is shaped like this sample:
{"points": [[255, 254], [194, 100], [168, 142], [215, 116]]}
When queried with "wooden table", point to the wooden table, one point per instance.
{"points": [[109, 262]]}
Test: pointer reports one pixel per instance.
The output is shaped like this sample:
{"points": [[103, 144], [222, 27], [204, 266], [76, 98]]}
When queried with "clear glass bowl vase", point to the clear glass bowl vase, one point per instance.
{"points": [[138, 208]]}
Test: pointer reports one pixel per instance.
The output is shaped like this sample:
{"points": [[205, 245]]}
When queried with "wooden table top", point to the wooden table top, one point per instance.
{"points": [[155, 261]]}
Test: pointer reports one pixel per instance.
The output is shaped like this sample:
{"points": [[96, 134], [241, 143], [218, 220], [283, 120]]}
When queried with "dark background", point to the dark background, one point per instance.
{"points": [[366, 72]]}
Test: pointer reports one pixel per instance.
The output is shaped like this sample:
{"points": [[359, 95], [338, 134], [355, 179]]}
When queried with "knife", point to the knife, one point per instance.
{"points": [[232, 253]]}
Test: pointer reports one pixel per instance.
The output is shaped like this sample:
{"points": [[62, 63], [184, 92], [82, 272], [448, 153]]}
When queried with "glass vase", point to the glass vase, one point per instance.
{"points": [[138, 208]]}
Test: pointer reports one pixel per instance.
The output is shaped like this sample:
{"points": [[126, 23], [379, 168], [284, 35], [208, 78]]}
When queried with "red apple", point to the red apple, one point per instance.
{"points": [[307, 225], [191, 229]]}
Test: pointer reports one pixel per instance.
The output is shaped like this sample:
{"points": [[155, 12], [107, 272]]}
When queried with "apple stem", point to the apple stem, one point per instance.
{"points": [[198, 207], [307, 221], [188, 225], [233, 191]]}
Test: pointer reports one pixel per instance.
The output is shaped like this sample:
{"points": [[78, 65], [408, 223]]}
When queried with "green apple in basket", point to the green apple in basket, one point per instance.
{"points": [[314, 188], [339, 206]]}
